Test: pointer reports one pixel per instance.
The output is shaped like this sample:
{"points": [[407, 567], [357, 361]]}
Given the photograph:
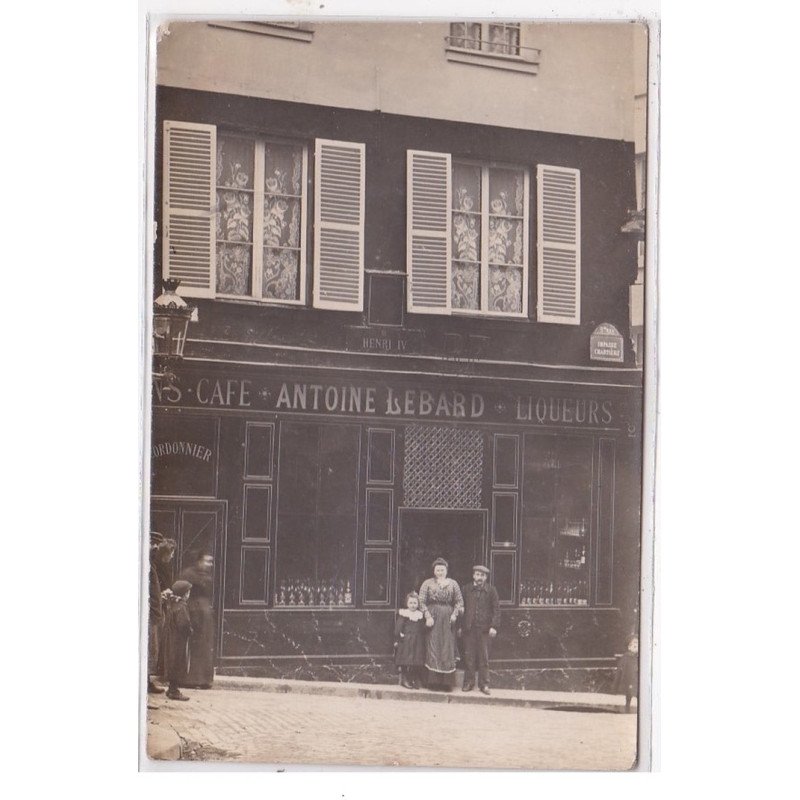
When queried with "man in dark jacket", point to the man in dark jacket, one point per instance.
{"points": [[161, 552], [155, 615], [479, 624]]}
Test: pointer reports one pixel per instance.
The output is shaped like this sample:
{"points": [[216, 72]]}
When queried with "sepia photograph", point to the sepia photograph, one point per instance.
{"points": [[396, 432]]}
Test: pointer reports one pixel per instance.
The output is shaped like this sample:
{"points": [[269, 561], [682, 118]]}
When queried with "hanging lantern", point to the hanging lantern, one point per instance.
{"points": [[171, 317]]}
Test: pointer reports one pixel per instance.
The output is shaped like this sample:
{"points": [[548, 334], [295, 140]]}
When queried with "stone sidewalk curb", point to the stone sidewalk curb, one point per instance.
{"points": [[163, 744], [521, 698]]}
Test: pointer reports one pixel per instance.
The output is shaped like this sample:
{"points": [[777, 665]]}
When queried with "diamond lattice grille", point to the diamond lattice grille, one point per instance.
{"points": [[443, 467]]}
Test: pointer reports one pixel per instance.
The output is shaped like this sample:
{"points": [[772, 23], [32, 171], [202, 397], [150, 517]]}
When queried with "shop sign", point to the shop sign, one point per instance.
{"points": [[183, 451], [606, 344], [382, 340], [417, 402]]}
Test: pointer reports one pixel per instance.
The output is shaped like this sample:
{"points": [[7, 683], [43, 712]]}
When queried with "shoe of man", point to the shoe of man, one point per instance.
{"points": [[485, 689], [467, 687], [405, 683], [177, 695], [153, 689]]}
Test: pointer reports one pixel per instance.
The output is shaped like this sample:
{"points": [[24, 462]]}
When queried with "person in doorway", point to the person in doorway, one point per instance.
{"points": [[479, 626], [441, 603], [201, 643], [409, 642], [177, 630]]}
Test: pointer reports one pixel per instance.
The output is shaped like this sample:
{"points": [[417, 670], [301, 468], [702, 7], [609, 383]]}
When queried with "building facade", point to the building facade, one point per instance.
{"points": [[404, 243]]}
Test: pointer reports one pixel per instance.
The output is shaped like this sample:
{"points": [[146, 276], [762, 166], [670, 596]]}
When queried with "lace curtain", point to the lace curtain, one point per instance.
{"points": [[503, 224], [279, 230]]}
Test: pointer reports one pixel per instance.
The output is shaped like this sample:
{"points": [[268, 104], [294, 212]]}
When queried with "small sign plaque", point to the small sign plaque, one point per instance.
{"points": [[606, 344], [382, 340]]}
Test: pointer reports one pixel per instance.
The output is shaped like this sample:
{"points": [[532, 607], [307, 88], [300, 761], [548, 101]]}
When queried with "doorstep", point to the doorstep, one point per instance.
{"points": [[525, 698]]}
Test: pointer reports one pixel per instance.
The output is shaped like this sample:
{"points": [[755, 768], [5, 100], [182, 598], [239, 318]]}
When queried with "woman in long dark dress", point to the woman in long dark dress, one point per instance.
{"points": [[441, 602], [201, 642]]}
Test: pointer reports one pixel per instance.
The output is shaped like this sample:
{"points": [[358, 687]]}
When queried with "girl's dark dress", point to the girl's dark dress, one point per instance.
{"points": [[411, 645]]}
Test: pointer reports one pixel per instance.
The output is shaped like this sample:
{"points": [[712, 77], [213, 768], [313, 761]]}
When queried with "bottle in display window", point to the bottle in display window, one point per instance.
{"points": [[313, 592]]}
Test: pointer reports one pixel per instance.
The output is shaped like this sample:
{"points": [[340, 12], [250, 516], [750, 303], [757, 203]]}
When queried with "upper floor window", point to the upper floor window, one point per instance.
{"points": [[237, 209], [468, 234], [261, 197], [489, 210], [497, 45], [490, 37]]}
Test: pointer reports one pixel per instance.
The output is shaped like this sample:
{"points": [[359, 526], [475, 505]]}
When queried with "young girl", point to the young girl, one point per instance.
{"points": [[409, 635]]}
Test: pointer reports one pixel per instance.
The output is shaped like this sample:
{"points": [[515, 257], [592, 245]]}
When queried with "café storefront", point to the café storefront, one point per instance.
{"points": [[324, 495]]}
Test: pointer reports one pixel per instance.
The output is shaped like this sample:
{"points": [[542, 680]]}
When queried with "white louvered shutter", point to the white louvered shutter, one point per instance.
{"points": [[428, 240], [189, 254], [339, 225], [559, 244]]}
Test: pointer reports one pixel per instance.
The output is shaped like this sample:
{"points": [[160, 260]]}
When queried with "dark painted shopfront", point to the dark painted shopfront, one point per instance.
{"points": [[327, 440], [339, 489]]}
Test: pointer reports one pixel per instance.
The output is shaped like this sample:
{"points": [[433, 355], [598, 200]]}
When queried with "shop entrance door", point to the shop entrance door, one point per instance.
{"points": [[459, 537], [196, 526]]}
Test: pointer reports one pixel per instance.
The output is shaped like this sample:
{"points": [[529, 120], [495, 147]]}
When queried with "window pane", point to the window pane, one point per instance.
{"points": [[234, 162], [317, 514], [504, 39], [465, 34], [466, 188], [557, 494], [466, 289], [506, 192], [505, 290], [505, 241], [281, 272], [283, 169], [234, 216], [281, 222], [234, 269]]}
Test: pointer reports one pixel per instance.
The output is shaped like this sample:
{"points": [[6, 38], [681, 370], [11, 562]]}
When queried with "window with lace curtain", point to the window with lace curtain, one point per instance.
{"points": [[489, 239], [237, 208], [260, 218], [467, 235], [490, 37]]}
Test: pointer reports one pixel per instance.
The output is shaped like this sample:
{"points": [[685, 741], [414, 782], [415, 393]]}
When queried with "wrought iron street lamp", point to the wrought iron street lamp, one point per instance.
{"points": [[171, 317]]}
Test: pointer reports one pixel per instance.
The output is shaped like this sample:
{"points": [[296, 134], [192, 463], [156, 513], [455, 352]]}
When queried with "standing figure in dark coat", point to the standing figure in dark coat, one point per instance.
{"points": [[441, 602], [478, 627], [177, 629], [409, 642], [201, 642], [155, 614], [626, 680]]}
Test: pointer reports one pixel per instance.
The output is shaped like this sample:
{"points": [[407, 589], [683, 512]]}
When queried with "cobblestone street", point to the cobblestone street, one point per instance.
{"points": [[285, 729]]}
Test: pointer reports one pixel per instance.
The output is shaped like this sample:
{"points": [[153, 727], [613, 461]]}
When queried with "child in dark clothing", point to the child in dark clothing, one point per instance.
{"points": [[177, 628], [626, 681], [409, 635]]}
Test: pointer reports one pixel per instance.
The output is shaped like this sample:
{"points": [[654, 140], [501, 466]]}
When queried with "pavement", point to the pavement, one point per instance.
{"points": [[289, 721]]}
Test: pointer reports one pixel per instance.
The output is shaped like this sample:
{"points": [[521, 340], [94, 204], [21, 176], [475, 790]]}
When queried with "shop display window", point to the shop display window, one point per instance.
{"points": [[556, 516], [317, 515]]}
